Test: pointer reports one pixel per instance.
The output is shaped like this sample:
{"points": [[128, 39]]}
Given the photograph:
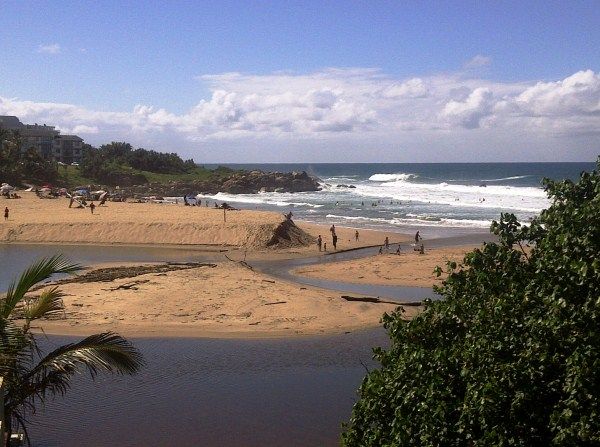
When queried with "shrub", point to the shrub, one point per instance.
{"points": [[511, 355]]}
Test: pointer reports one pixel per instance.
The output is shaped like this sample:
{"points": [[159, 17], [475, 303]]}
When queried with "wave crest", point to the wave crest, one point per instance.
{"points": [[400, 176]]}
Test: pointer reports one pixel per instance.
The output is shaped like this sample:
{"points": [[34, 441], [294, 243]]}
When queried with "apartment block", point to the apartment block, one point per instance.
{"points": [[46, 140]]}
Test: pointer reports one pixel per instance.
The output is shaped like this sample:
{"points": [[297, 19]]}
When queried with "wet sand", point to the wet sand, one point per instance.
{"points": [[409, 268]]}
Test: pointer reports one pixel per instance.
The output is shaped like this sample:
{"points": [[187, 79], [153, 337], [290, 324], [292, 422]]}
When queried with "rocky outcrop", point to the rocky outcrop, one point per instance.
{"points": [[241, 182]]}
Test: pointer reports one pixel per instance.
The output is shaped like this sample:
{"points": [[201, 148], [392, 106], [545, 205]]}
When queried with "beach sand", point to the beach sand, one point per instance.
{"points": [[52, 221], [228, 300], [410, 268]]}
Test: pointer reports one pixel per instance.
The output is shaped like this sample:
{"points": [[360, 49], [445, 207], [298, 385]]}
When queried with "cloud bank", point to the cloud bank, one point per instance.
{"points": [[349, 104]]}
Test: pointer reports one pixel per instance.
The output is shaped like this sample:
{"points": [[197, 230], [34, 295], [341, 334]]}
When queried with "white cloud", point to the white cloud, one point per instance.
{"points": [[353, 105], [83, 129], [413, 88], [579, 94], [478, 62], [470, 112], [52, 48]]}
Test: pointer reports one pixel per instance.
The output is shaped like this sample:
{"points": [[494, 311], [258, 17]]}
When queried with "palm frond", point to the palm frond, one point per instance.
{"points": [[36, 273], [51, 376], [22, 423], [48, 303]]}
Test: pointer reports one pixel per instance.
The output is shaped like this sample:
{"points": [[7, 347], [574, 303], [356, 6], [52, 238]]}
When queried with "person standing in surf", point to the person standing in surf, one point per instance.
{"points": [[418, 238]]}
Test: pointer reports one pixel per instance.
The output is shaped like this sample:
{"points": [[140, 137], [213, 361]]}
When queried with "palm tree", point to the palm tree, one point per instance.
{"points": [[29, 377]]}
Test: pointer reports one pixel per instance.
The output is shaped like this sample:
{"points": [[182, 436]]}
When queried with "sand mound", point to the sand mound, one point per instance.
{"points": [[287, 235]]}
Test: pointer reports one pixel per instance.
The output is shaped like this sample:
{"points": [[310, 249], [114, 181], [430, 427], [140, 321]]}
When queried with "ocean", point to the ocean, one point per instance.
{"points": [[435, 198]]}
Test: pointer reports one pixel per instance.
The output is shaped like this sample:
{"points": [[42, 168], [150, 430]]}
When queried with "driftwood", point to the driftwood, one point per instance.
{"points": [[370, 299], [129, 285], [276, 302], [242, 263]]}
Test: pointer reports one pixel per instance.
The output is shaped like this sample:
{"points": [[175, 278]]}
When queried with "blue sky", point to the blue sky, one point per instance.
{"points": [[310, 81]]}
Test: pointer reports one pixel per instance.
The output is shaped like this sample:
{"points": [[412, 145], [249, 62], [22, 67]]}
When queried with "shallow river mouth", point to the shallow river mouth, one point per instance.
{"points": [[192, 392]]}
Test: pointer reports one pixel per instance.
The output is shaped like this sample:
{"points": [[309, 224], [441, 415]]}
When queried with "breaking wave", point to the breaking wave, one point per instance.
{"points": [[416, 221], [392, 177]]}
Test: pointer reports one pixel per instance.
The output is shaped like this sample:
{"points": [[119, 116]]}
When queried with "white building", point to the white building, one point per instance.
{"points": [[46, 140]]}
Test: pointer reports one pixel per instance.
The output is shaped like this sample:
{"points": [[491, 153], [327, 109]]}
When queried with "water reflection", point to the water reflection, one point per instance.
{"points": [[293, 392]]}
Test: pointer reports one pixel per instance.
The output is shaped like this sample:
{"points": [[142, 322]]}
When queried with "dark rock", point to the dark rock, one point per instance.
{"points": [[239, 182]]}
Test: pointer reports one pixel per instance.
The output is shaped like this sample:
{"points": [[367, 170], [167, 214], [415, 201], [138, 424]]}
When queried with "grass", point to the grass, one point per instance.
{"points": [[71, 175]]}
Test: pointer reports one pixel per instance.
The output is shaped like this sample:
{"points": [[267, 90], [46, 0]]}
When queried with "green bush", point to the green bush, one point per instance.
{"points": [[113, 163], [17, 166], [511, 355]]}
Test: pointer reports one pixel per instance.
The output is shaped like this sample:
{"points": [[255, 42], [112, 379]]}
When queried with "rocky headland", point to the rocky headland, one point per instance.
{"points": [[239, 182]]}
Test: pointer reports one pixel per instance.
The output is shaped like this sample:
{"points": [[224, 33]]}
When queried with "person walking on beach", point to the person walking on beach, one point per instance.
{"points": [[334, 238], [92, 207], [387, 243], [418, 237], [6, 213], [319, 242], [356, 235], [332, 229]]}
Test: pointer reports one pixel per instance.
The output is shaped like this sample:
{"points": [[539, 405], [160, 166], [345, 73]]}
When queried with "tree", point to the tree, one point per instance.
{"points": [[511, 355], [29, 377], [35, 168], [10, 153], [17, 166]]}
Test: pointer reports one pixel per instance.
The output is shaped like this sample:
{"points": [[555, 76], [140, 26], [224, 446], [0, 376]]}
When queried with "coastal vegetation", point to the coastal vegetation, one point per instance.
{"points": [[110, 164], [139, 172], [511, 355], [17, 166], [29, 378]]}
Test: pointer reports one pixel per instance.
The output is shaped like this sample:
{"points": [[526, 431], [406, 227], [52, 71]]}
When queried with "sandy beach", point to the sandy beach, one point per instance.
{"points": [[409, 268], [51, 221], [227, 299]]}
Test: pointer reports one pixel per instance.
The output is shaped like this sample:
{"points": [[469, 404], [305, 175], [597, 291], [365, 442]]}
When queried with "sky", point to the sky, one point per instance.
{"points": [[322, 81]]}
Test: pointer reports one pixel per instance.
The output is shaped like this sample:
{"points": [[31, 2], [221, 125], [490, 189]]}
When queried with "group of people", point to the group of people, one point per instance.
{"points": [[334, 238], [417, 247], [386, 244]]}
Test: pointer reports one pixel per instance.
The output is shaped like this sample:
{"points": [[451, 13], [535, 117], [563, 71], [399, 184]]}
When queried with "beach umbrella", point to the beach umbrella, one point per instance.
{"points": [[6, 187]]}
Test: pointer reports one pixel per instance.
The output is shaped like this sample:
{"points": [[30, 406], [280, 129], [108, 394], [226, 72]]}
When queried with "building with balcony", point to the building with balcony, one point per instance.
{"points": [[46, 140]]}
